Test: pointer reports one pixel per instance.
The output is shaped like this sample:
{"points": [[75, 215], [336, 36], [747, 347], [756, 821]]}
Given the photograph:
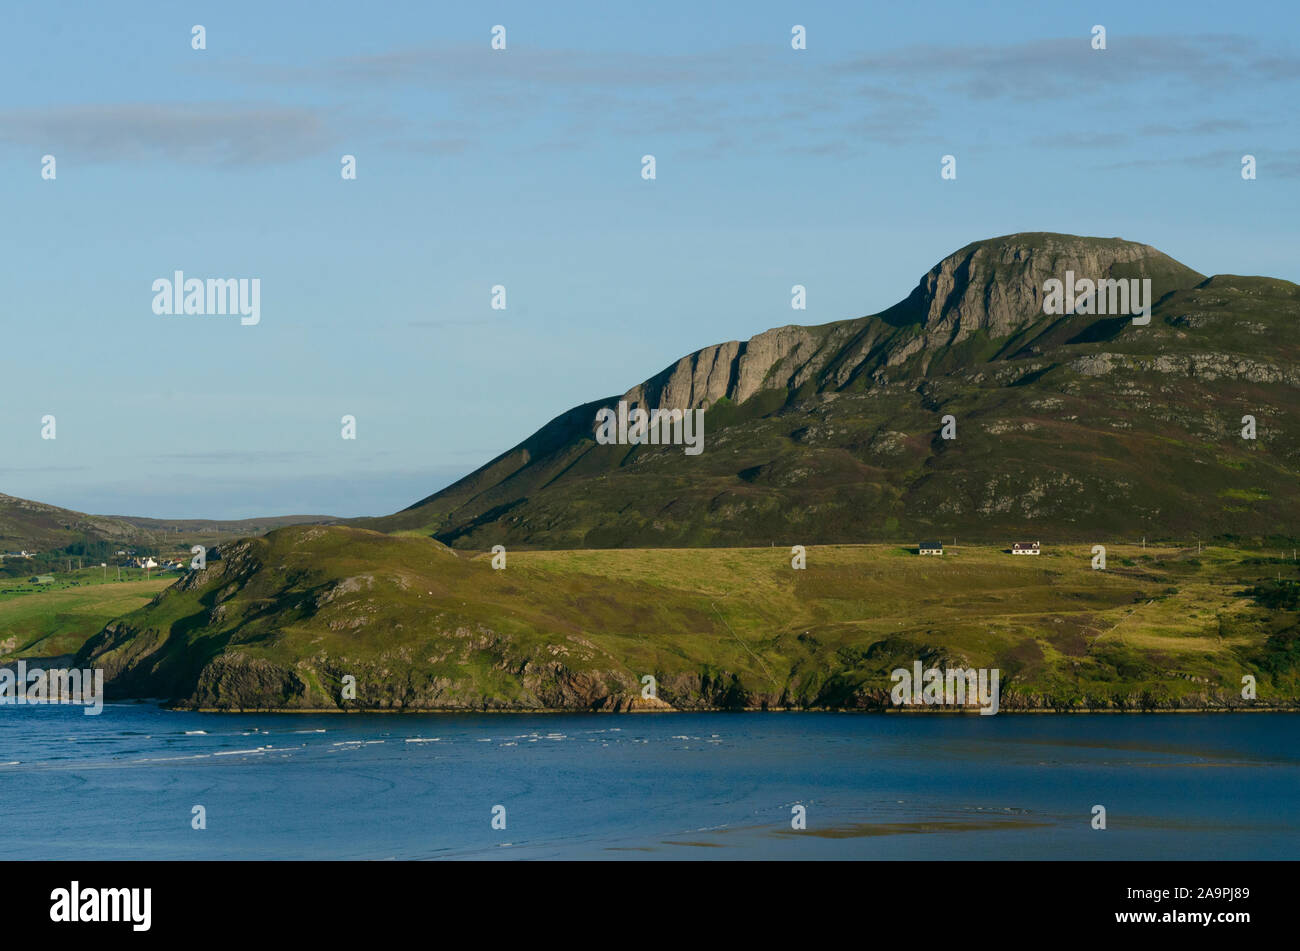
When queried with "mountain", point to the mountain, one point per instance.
{"points": [[1068, 426], [1073, 429]]}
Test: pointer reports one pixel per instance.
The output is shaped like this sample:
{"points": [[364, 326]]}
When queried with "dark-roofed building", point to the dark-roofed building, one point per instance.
{"points": [[930, 548]]}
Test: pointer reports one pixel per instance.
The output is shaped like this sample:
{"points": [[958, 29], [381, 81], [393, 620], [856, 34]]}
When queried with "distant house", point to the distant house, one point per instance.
{"points": [[43, 579], [930, 548], [1025, 548]]}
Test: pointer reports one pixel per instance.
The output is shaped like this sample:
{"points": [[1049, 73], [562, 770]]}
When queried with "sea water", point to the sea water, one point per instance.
{"points": [[126, 784]]}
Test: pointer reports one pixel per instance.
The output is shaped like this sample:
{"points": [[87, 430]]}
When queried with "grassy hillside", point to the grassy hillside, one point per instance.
{"points": [[279, 622]]}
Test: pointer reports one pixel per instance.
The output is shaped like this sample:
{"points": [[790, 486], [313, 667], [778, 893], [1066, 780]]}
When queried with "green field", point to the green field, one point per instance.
{"points": [[54, 619], [281, 620]]}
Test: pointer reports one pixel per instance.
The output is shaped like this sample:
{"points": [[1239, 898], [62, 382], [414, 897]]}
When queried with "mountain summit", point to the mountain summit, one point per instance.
{"points": [[996, 286], [992, 288], [1067, 424]]}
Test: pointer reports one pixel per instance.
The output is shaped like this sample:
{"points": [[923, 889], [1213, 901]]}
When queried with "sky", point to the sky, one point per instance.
{"points": [[522, 167]]}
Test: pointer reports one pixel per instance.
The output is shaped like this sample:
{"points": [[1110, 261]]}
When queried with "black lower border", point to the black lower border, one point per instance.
{"points": [[964, 902]]}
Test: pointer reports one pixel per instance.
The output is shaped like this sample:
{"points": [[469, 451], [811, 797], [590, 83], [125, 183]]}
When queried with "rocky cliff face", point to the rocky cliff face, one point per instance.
{"points": [[993, 286], [733, 369]]}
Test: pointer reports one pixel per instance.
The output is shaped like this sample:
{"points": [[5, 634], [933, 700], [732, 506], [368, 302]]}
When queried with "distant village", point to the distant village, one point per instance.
{"points": [[147, 561], [124, 558]]}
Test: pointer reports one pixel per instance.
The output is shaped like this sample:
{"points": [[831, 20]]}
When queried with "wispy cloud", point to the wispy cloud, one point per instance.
{"points": [[1068, 67], [1280, 164], [203, 134]]}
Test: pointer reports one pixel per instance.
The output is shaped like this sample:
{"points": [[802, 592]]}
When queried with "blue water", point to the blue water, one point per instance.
{"points": [[122, 786]]}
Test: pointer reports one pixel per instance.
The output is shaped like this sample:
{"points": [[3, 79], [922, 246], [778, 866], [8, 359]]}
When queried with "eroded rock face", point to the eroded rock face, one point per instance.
{"points": [[733, 369]]}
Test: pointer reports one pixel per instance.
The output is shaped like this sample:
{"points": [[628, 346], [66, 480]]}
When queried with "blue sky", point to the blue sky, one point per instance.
{"points": [[522, 167]]}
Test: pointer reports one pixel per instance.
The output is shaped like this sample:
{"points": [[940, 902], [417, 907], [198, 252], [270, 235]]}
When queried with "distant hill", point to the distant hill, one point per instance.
{"points": [[27, 525], [1068, 426]]}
